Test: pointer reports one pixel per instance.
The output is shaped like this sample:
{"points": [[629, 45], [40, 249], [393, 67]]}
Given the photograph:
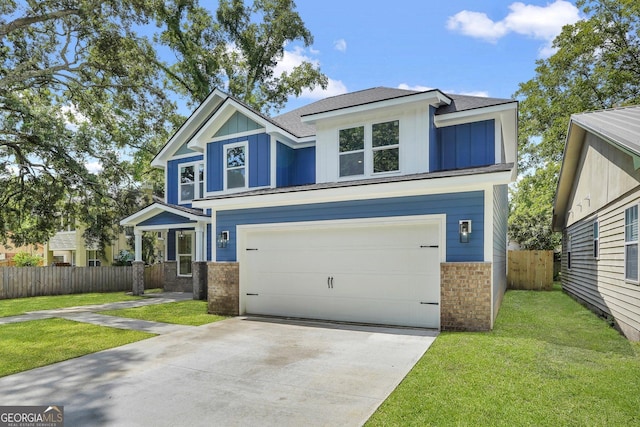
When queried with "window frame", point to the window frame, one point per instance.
{"points": [[191, 255], [225, 168], [369, 150], [198, 185], [95, 260], [628, 243]]}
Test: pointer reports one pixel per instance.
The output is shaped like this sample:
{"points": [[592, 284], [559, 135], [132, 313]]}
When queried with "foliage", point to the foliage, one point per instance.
{"points": [[531, 210], [25, 259], [238, 52], [73, 92], [548, 362], [596, 66], [123, 258], [82, 84]]}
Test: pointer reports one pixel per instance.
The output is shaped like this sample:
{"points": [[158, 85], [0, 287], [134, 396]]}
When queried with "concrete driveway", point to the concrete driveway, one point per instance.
{"points": [[241, 371]]}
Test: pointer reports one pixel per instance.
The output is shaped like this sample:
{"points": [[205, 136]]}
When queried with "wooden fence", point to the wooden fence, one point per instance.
{"points": [[154, 276], [530, 270], [17, 282]]}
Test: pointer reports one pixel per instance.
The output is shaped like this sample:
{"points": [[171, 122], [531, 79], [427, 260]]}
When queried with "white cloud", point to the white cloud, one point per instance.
{"points": [[334, 87], [340, 45], [416, 87], [481, 93], [93, 167], [72, 117], [538, 22]]}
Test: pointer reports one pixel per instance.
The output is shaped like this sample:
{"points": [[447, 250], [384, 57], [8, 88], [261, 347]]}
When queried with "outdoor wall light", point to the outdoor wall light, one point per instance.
{"points": [[223, 238], [180, 234], [465, 230]]}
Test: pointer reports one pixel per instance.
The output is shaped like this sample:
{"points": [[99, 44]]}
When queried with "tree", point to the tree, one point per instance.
{"points": [[596, 66], [239, 52], [81, 83], [24, 259], [73, 91]]}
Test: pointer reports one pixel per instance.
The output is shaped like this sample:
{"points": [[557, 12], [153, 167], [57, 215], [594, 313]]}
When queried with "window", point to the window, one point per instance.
{"points": [[631, 243], [184, 252], [235, 166], [352, 151], [386, 145], [93, 260], [596, 239], [191, 182], [367, 150]]}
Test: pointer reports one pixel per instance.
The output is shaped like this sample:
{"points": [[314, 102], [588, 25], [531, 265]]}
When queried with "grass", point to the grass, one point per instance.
{"points": [[548, 362], [16, 306], [192, 313], [36, 343]]}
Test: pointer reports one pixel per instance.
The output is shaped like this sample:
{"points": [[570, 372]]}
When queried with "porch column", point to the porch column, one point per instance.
{"points": [[199, 242], [138, 243]]}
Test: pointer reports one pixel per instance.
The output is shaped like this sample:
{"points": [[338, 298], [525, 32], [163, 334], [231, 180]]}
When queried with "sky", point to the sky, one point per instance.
{"points": [[474, 47]]}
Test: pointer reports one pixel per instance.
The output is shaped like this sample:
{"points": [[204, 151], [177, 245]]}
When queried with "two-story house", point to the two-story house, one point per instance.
{"points": [[382, 206]]}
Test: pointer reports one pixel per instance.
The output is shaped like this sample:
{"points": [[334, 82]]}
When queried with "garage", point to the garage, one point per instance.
{"points": [[379, 271]]}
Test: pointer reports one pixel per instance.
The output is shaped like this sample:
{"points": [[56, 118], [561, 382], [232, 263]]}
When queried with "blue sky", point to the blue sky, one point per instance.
{"points": [[473, 47]]}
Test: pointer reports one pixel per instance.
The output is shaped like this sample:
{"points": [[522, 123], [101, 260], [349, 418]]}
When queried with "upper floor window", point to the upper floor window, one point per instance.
{"points": [[366, 150], [191, 181], [235, 166], [631, 243]]}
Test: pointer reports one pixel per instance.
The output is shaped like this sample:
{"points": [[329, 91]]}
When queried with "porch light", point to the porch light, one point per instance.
{"points": [[465, 230], [180, 234], [223, 238]]}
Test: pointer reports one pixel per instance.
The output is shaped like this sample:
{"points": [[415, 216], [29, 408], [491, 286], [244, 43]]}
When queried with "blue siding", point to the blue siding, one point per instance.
{"points": [[457, 206], [209, 242], [237, 123], [171, 245], [166, 218], [259, 161], [173, 168], [295, 167], [463, 146]]}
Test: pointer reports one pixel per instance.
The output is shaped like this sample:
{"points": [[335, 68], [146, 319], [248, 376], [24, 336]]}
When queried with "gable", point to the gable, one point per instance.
{"points": [[184, 150], [166, 218], [237, 123]]}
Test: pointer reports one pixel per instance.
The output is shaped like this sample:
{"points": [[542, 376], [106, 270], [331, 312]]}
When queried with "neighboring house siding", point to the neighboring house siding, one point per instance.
{"points": [[173, 169], [456, 206], [500, 216], [464, 146], [600, 282], [259, 161], [295, 167]]}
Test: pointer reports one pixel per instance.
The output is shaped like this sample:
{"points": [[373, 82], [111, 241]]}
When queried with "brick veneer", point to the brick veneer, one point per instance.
{"points": [[173, 282], [465, 296], [224, 288]]}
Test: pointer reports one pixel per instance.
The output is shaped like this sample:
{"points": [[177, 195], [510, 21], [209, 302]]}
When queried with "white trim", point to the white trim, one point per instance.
{"points": [[153, 210], [433, 97], [474, 115], [361, 192], [193, 247], [225, 149], [244, 229], [309, 141], [187, 155], [273, 161], [196, 182], [237, 135], [488, 227]]}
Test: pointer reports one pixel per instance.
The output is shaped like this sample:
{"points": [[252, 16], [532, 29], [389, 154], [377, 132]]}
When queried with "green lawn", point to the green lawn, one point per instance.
{"points": [[192, 313], [36, 343], [12, 307], [548, 362]]}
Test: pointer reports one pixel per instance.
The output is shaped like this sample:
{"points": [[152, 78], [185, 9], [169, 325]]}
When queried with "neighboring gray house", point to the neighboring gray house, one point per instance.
{"points": [[596, 208]]}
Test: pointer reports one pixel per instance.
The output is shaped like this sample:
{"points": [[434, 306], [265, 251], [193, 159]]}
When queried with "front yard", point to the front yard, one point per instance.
{"points": [[548, 362]]}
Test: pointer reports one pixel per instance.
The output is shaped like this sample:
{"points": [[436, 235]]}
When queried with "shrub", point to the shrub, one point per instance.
{"points": [[24, 259]]}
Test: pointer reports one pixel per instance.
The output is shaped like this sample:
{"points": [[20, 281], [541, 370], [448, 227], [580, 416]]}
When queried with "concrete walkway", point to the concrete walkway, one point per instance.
{"points": [[89, 314]]}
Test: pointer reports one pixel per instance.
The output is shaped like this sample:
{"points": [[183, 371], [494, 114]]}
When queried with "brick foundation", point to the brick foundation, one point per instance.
{"points": [[465, 296], [138, 278], [224, 288], [173, 282]]}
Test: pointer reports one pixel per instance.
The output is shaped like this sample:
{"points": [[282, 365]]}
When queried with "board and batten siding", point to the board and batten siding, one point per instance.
{"points": [[456, 206], [600, 283], [173, 177], [500, 217]]}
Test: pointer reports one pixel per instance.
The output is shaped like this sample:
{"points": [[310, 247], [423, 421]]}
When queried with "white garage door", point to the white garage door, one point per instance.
{"points": [[375, 272]]}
